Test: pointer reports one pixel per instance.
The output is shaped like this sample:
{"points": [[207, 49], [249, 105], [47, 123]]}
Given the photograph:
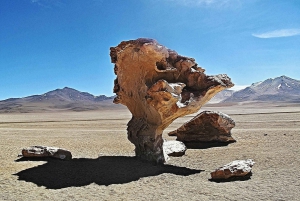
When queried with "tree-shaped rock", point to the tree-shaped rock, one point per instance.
{"points": [[157, 85]]}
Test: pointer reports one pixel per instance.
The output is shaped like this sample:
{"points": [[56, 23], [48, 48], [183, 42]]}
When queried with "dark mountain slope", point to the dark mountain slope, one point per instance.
{"points": [[62, 99]]}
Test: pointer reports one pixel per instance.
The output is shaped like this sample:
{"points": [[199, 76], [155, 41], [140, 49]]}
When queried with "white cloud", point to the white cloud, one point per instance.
{"points": [[215, 3], [278, 33], [238, 87], [47, 3]]}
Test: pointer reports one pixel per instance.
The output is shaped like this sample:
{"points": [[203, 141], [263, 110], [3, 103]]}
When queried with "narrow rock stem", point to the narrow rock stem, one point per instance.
{"points": [[147, 140]]}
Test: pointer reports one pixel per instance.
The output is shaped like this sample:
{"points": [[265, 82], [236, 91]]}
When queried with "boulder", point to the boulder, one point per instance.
{"points": [[174, 148], [158, 85], [42, 151], [238, 168], [206, 127]]}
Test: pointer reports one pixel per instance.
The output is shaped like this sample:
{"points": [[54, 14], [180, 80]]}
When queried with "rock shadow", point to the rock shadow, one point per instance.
{"points": [[206, 145], [105, 170], [231, 179]]}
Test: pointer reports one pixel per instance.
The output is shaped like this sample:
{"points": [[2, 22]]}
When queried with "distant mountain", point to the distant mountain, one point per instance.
{"points": [[282, 88], [221, 96], [68, 95], [59, 99]]}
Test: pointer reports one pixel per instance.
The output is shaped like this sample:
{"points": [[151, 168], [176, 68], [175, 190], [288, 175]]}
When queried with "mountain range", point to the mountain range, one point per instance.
{"points": [[59, 99], [280, 89]]}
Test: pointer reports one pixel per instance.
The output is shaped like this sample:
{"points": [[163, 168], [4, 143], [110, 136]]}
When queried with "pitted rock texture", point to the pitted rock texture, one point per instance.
{"points": [[174, 148], [42, 151], [158, 85], [238, 168], [207, 126]]}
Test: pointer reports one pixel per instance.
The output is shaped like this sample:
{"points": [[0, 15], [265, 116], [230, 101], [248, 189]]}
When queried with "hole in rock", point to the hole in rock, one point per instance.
{"points": [[161, 66]]}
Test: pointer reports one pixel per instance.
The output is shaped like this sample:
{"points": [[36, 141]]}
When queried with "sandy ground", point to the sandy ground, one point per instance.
{"points": [[104, 168]]}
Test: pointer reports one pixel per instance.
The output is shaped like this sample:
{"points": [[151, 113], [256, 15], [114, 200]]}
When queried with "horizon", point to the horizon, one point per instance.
{"points": [[50, 44], [234, 88]]}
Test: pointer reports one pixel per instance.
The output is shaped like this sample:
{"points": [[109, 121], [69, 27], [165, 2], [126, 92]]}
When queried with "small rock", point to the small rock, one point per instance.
{"points": [[174, 148], [42, 151], [265, 134], [238, 168]]}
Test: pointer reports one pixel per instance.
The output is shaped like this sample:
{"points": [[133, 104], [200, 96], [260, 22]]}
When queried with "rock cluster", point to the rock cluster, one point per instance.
{"points": [[42, 151], [238, 168], [158, 85], [208, 126]]}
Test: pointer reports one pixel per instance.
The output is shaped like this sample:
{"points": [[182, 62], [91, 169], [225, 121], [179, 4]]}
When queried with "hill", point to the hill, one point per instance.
{"points": [[280, 89], [59, 99], [221, 96]]}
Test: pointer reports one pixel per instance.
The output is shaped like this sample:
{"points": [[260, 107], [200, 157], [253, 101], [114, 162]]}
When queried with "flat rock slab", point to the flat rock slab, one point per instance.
{"points": [[174, 148], [42, 151], [238, 168]]}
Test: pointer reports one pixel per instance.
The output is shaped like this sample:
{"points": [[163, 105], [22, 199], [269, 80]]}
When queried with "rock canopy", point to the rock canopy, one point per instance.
{"points": [[158, 85], [207, 126]]}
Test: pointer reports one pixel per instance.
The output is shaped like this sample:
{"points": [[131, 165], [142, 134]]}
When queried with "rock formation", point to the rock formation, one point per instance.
{"points": [[157, 85], [238, 168], [174, 148], [206, 127], [42, 151]]}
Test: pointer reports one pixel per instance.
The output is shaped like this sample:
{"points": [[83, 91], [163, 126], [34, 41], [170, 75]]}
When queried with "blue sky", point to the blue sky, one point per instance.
{"points": [[50, 44]]}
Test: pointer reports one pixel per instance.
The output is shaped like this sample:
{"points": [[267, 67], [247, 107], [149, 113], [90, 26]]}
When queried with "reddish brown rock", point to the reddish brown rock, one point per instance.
{"points": [[206, 127], [157, 85], [238, 168], [42, 151]]}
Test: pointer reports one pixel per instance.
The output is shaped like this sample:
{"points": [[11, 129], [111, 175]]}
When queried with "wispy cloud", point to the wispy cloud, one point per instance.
{"points": [[47, 3], [278, 33], [213, 3], [238, 87]]}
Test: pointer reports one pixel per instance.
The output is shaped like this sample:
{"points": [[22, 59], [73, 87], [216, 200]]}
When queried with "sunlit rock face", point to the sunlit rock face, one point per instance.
{"points": [[174, 148], [158, 85], [235, 169]]}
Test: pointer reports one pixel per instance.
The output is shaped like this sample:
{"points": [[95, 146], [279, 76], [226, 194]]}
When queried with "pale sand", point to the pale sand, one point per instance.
{"points": [[103, 167]]}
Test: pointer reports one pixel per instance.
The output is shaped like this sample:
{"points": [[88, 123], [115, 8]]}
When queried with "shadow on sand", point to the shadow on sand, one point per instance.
{"points": [[206, 145], [106, 170]]}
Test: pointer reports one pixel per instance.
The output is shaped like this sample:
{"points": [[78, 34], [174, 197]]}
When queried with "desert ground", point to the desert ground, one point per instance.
{"points": [[104, 168]]}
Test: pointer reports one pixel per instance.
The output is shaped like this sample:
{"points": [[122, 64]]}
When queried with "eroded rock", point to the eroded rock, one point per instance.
{"points": [[206, 127], [42, 151], [174, 148], [238, 168], [157, 85]]}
